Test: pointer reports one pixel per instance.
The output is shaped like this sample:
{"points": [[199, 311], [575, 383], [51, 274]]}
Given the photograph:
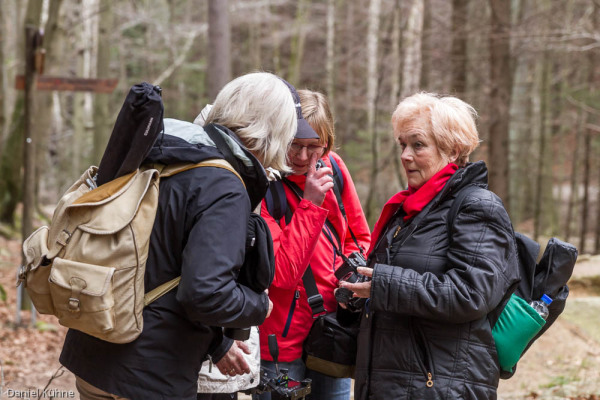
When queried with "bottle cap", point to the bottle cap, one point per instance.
{"points": [[546, 299]]}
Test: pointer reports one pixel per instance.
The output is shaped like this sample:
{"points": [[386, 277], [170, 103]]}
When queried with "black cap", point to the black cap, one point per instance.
{"points": [[304, 131]]}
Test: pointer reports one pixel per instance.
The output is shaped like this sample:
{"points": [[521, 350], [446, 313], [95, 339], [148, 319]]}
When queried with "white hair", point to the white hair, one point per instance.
{"points": [[260, 109]]}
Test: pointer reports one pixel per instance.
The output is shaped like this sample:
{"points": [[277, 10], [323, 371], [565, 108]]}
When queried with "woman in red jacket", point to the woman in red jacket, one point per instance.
{"points": [[309, 239]]}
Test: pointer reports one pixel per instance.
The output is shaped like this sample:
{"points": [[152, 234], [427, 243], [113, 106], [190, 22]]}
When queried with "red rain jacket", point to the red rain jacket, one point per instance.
{"points": [[301, 243]]}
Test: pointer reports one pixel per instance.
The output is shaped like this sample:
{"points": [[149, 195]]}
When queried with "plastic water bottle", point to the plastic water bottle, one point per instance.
{"points": [[541, 306]]}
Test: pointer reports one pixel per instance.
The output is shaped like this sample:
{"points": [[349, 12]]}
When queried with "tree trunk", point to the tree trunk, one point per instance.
{"points": [[219, 47], [330, 62], [44, 104], [522, 110], [32, 44], [298, 40], [10, 166], [102, 123], [274, 29], [500, 96], [395, 59], [348, 122], [2, 79], [587, 143], [255, 37], [396, 84], [574, 191], [412, 45], [426, 47], [587, 162], [595, 77], [458, 56], [412, 49], [541, 168], [372, 65], [597, 232]]}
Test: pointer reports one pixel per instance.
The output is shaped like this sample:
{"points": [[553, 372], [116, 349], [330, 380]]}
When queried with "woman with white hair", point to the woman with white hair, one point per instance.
{"points": [[199, 233], [435, 287]]}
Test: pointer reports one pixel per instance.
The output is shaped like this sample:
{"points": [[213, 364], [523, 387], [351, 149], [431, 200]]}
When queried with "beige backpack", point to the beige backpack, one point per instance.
{"points": [[88, 267]]}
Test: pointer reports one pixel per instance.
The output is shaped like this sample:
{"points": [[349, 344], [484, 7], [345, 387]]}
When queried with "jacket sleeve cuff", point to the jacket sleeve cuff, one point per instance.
{"points": [[383, 294], [222, 349]]}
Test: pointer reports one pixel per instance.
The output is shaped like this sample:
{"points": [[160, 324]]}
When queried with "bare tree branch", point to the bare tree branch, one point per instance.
{"points": [[583, 106], [181, 58]]}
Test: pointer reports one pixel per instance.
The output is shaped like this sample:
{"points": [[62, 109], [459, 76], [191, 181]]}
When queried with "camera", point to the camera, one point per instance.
{"points": [[281, 386], [348, 272]]}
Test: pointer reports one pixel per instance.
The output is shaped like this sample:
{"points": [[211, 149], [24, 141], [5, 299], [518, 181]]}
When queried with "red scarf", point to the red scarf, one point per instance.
{"points": [[412, 200]]}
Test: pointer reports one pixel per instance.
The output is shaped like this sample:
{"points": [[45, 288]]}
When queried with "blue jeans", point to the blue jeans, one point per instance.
{"points": [[323, 387]]}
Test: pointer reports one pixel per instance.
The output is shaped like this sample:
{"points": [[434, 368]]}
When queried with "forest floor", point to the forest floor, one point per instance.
{"points": [[563, 364]]}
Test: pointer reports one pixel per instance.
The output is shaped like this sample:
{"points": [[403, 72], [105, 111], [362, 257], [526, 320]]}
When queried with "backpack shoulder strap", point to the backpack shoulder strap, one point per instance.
{"points": [[337, 173], [173, 169], [170, 170], [276, 200], [160, 290], [314, 298], [338, 184]]}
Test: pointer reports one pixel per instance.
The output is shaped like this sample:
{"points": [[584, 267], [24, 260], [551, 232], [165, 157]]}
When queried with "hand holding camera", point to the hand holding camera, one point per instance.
{"points": [[355, 282], [319, 180]]}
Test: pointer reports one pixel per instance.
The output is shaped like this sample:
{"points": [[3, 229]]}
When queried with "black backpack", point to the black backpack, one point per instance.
{"points": [[137, 126], [548, 276]]}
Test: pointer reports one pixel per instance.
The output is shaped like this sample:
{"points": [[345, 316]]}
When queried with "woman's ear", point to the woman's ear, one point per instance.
{"points": [[453, 156]]}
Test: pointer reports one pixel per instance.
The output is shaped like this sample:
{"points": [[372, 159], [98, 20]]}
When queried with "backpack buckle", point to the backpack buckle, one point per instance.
{"points": [[316, 304], [77, 286], [64, 237], [73, 305]]}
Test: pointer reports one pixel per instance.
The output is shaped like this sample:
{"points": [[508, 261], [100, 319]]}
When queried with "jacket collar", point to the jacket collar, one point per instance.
{"points": [[185, 142], [472, 174]]}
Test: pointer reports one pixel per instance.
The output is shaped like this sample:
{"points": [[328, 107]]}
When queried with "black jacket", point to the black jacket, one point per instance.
{"points": [[427, 318], [200, 234]]}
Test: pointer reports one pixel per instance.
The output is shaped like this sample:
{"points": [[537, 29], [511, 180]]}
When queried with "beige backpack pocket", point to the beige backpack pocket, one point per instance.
{"points": [[35, 249], [82, 295]]}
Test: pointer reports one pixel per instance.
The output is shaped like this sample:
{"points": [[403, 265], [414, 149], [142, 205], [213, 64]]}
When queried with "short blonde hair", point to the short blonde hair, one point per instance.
{"points": [[260, 109], [316, 111], [450, 120]]}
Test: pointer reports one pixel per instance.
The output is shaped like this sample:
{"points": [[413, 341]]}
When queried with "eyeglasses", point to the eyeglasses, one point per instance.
{"points": [[313, 148]]}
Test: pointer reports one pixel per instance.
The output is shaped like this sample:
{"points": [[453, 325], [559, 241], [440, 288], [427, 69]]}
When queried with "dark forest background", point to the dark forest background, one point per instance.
{"points": [[530, 68]]}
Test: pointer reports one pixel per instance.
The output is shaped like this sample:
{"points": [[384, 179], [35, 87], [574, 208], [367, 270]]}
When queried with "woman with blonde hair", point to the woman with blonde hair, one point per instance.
{"points": [[308, 239], [426, 327]]}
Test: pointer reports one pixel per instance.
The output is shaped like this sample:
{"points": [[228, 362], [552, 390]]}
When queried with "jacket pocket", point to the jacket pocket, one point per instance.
{"points": [[422, 352], [82, 295]]}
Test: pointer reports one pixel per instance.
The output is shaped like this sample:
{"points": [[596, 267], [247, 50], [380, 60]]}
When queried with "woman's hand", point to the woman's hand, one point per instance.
{"points": [[318, 182], [233, 362], [270, 304], [362, 289]]}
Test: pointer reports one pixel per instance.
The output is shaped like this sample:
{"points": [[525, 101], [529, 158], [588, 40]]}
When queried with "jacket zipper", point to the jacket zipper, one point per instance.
{"points": [[291, 313], [421, 343]]}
